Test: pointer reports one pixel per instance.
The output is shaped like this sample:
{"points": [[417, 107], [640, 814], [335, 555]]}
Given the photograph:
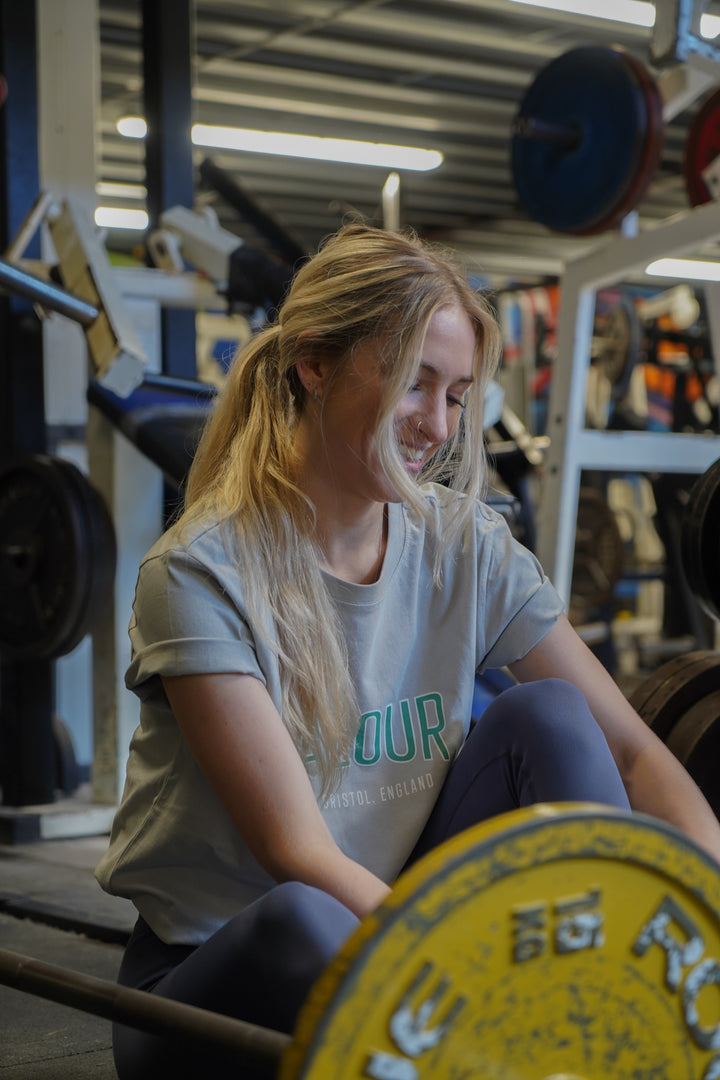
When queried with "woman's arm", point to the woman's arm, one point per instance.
{"points": [[242, 746], [655, 781]]}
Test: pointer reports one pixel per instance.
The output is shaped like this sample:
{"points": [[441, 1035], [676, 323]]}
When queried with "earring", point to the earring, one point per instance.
{"points": [[419, 425]]}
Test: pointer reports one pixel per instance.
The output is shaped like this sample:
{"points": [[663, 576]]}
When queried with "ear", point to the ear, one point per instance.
{"points": [[313, 369]]}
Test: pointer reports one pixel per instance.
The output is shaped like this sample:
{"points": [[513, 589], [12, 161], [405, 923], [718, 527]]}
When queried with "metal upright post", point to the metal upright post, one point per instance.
{"points": [[26, 742], [167, 66]]}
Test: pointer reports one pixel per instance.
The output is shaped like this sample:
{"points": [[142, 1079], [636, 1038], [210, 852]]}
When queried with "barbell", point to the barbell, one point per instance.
{"points": [[558, 941], [587, 139]]}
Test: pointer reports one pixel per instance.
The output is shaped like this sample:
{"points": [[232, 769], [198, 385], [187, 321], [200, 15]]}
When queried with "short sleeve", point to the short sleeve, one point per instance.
{"points": [[517, 604], [185, 622]]}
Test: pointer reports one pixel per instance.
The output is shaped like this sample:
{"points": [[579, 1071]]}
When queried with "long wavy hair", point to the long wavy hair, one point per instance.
{"points": [[363, 284]]}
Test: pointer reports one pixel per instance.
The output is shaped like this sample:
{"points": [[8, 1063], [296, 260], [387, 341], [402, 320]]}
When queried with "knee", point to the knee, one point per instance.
{"points": [[552, 708], [297, 913]]}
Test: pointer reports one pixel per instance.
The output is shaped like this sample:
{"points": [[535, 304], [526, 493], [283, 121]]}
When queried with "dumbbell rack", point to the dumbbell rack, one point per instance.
{"points": [[573, 447]]}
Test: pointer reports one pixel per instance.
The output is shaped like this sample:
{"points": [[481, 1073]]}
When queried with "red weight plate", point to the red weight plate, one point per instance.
{"points": [[702, 146]]}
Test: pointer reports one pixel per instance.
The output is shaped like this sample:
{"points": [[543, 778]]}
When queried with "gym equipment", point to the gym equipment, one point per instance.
{"points": [[118, 357], [15, 279], [616, 345], [57, 557], [700, 540], [246, 277], [702, 147], [163, 418], [681, 703], [587, 140], [89, 294], [269, 228], [147, 1012], [556, 941], [599, 551]]}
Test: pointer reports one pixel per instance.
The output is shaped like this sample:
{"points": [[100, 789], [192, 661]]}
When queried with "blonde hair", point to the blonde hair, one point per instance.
{"points": [[364, 283]]}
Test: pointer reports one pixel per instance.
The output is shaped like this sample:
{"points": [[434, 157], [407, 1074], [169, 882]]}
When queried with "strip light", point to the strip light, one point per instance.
{"points": [[120, 191], [114, 217], [685, 269], [349, 151], [638, 12]]}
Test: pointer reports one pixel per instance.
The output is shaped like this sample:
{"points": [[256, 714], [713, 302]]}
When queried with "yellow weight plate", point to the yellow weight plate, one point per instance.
{"points": [[567, 942]]}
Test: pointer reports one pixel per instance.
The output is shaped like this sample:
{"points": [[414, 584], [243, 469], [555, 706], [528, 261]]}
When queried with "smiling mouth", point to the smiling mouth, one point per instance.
{"points": [[412, 455]]}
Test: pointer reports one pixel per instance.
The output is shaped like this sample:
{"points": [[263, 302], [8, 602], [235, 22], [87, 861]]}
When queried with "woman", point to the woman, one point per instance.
{"points": [[305, 641]]}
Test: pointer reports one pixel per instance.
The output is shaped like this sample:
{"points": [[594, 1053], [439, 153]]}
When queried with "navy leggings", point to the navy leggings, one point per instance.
{"points": [[536, 742]]}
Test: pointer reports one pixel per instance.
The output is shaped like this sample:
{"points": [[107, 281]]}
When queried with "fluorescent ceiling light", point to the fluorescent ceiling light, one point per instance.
{"points": [[110, 217], [638, 12], [120, 191], [685, 269], [709, 26], [132, 127], [350, 151]]}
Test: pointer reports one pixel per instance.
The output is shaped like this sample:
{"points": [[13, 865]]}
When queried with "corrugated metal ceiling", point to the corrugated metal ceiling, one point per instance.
{"points": [[442, 74]]}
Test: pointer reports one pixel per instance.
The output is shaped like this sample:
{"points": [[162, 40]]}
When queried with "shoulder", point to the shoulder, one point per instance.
{"points": [[190, 556], [445, 506], [205, 542]]}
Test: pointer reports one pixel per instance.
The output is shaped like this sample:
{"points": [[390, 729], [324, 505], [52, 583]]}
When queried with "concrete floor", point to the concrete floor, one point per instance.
{"points": [[53, 910]]}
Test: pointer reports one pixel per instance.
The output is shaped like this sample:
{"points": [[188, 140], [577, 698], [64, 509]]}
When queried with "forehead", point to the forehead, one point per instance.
{"points": [[449, 349], [450, 345]]}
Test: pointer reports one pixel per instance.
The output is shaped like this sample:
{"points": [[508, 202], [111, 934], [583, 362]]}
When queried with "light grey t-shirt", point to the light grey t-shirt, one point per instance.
{"points": [[414, 649]]}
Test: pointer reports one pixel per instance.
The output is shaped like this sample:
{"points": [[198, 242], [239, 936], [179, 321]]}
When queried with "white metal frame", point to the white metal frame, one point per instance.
{"points": [[573, 447]]}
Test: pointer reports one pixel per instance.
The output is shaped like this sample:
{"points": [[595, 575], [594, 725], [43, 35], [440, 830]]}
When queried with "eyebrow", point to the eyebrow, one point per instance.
{"points": [[466, 379]]}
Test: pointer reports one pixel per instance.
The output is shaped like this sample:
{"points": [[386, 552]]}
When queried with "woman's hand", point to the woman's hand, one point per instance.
{"points": [[242, 746]]}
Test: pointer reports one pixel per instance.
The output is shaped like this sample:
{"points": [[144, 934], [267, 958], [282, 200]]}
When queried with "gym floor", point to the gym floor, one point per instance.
{"points": [[53, 910]]}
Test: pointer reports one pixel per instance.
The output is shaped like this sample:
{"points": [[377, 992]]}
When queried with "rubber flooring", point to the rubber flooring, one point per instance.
{"points": [[53, 910]]}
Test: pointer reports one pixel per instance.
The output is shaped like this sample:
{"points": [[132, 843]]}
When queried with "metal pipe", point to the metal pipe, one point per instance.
{"points": [[139, 1009], [272, 230], [564, 136], [14, 279]]}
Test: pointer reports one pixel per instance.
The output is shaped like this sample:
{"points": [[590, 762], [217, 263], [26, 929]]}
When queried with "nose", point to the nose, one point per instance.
{"points": [[434, 420]]}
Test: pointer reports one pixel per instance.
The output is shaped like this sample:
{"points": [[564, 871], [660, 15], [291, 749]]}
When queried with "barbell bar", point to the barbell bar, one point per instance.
{"points": [[556, 941], [15, 279], [140, 1009]]}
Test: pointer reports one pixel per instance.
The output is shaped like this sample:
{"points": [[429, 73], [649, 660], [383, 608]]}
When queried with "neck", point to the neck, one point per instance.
{"points": [[350, 530], [353, 549]]}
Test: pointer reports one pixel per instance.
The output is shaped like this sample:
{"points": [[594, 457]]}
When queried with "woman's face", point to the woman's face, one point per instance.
{"points": [[425, 418]]}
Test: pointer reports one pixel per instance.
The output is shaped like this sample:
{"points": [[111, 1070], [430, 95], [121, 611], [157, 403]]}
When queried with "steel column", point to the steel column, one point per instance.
{"points": [[167, 68], [26, 742]]}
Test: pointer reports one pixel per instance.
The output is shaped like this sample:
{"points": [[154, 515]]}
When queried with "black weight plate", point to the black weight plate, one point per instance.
{"points": [[98, 551], [695, 741], [620, 345], [613, 103], [702, 146], [47, 573], [599, 552], [700, 540], [676, 687]]}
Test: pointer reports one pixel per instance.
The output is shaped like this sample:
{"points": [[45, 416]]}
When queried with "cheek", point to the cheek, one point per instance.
{"points": [[453, 422], [404, 410]]}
